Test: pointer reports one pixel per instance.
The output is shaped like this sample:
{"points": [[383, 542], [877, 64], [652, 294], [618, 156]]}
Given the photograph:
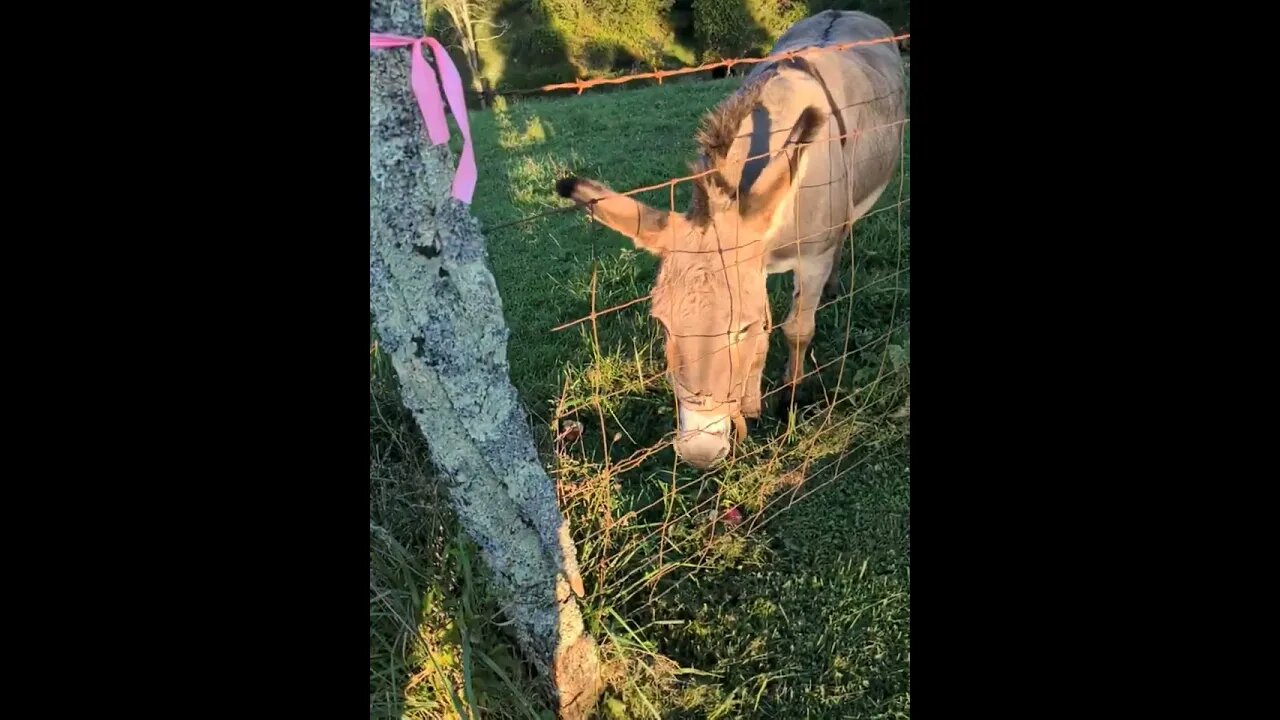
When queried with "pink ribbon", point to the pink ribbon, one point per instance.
{"points": [[423, 82]]}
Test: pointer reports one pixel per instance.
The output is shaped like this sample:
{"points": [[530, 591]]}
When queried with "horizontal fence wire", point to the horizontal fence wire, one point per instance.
{"points": [[581, 85]]}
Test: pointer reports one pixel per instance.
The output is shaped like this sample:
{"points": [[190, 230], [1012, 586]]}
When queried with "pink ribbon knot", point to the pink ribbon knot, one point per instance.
{"points": [[427, 92]]}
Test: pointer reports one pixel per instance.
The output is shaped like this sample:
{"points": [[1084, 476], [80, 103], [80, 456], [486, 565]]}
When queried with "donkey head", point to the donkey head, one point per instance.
{"points": [[710, 294]]}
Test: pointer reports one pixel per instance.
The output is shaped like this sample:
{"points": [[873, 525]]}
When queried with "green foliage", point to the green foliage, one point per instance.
{"points": [[740, 28], [605, 35], [526, 43], [745, 28]]}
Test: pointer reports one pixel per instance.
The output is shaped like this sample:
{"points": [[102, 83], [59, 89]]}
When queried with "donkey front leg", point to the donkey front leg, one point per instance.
{"points": [[832, 289], [810, 279]]}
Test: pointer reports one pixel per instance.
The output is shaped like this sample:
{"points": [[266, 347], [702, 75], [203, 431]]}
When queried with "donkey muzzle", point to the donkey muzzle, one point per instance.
{"points": [[704, 437]]}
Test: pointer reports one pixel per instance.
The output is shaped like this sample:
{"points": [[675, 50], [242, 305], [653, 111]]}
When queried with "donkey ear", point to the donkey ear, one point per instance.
{"points": [[775, 181], [647, 227]]}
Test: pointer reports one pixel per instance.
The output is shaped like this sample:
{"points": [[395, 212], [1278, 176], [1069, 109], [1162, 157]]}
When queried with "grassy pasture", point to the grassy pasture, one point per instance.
{"points": [[778, 586]]}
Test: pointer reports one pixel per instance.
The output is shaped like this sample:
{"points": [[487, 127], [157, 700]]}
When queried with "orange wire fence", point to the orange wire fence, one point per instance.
{"points": [[582, 84], [643, 527]]}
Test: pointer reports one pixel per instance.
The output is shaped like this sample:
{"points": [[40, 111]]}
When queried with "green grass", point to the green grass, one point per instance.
{"points": [[800, 610]]}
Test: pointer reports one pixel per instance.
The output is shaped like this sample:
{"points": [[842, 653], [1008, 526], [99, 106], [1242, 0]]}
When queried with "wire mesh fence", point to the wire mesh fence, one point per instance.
{"points": [[644, 520]]}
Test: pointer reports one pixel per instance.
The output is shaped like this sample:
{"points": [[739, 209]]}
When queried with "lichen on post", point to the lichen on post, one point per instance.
{"points": [[439, 318]]}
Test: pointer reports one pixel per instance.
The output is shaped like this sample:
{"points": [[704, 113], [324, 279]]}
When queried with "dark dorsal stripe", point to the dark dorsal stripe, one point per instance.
{"points": [[760, 126], [806, 67]]}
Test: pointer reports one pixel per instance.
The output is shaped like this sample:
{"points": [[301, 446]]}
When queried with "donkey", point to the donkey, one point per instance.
{"points": [[787, 164]]}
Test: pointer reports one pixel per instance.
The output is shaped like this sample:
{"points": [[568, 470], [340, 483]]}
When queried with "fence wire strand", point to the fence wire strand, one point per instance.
{"points": [[581, 85]]}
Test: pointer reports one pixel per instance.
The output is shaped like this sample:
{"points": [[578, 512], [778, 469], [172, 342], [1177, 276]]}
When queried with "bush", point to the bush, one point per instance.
{"points": [[742, 28], [605, 35], [550, 41], [895, 13], [747, 28]]}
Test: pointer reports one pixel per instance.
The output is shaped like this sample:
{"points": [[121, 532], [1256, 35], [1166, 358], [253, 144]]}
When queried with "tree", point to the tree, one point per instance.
{"points": [[439, 319], [466, 16]]}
